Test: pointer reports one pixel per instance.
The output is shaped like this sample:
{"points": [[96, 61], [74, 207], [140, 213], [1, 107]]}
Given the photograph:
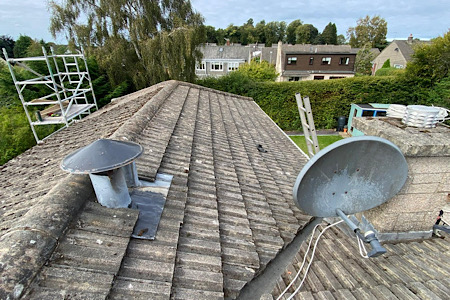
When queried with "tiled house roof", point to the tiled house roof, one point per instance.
{"points": [[225, 52], [227, 214], [409, 270]]}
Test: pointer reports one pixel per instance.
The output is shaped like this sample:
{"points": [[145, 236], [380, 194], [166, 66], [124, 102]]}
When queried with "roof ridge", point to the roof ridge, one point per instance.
{"points": [[200, 87], [29, 244], [32, 240]]}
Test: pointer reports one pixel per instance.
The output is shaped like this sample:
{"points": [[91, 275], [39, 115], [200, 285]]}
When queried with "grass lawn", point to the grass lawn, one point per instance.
{"points": [[324, 140]]}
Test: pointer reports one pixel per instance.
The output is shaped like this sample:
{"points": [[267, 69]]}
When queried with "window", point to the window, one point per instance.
{"points": [[326, 60], [292, 60], [201, 66], [336, 77], [398, 66], [294, 78], [216, 66], [311, 60], [319, 77], [344, 60], [233, 66]]}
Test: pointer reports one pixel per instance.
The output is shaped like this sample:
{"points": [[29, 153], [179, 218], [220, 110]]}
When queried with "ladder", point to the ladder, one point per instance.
{"points": [[304, 107]]}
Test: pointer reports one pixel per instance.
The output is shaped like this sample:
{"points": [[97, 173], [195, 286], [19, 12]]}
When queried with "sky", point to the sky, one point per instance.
{"points": [[423, 19]]}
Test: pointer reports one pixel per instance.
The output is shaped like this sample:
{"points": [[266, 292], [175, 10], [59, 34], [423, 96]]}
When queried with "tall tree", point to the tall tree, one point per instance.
{"points": [[260, 31], [210, 34], [274, 32], [341, 39], [291, 36], [146, 41], [21, 46], [8, 43], [364, 59], [431, 62], [368, 30], [329, 34], [306, 34], [247, 33]]}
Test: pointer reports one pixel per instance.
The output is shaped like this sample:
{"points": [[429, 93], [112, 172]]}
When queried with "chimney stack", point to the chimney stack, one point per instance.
{"points": [[410, 38]]}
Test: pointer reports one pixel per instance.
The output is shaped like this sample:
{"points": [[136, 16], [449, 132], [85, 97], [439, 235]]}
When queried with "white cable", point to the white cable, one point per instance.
{"points": [[303, 263], [361, 247], [310, 262]]}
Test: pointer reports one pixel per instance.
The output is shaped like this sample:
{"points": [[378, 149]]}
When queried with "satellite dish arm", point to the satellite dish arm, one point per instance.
{"points": [[368, 237]]}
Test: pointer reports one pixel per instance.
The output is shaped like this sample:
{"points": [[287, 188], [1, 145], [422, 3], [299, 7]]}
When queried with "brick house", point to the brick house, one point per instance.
{"points": [[315, 62]]}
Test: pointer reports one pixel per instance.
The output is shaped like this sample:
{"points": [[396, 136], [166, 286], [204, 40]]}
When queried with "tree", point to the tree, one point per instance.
{"points": [[431, 62], [147, 41], [260, 32], [8, 43], [306, 34], [291, 36], [368, 30], [329, 34], [387, 63], [341, 39], [21, 46], [211, 34], [261, 71], [274, 32], [363, 62]]}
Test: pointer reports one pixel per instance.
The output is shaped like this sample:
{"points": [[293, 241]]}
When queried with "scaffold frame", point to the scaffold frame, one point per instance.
{"points": [[69, 87]]}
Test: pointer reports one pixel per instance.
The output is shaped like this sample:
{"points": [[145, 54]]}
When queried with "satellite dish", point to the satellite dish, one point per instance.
{"points": [[350, 176], [353, 175]]}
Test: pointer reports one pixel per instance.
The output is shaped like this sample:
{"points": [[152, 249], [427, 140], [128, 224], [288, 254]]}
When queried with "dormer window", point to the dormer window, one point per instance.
{"points": [[326, 60], [344, 60], [292, 60]]}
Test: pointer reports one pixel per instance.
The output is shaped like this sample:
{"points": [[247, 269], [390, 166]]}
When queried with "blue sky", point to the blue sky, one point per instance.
{"points": [[424, 19]]}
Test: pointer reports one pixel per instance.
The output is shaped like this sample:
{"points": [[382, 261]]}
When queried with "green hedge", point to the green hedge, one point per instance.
{"points": [[329, 98]]}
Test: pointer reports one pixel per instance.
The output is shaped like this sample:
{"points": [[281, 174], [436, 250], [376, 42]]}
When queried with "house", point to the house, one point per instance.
{"points": [[228, 210], [314, 62], [399, 52], [220, 60]]}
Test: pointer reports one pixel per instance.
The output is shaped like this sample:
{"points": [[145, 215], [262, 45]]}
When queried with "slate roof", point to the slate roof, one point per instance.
{"points": [[405, 48], [409, 270], [228, 211], [212, 52], [320, 49]]}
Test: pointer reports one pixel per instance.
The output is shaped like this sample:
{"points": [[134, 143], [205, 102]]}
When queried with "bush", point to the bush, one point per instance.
{"points": [[260, 71], [329, 98], [389, 72]]}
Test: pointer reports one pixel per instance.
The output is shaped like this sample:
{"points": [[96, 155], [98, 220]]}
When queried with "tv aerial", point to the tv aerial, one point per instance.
{"points": [[350, 176]]}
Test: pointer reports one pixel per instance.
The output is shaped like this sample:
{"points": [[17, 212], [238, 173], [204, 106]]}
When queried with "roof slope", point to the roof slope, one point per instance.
{"points": [[225, 52], [228, 212], [405, 48], [409, 270]]}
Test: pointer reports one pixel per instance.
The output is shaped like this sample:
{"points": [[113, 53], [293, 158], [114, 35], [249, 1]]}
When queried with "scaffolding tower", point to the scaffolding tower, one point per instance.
{"points": [[69, 87]]}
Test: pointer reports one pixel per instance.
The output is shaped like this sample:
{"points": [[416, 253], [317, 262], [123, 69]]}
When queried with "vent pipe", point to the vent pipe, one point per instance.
{"points": [[111, 167]]}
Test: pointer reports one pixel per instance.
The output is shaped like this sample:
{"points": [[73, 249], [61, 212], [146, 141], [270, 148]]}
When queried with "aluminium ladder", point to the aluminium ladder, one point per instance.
{"points": [[304, 107]]}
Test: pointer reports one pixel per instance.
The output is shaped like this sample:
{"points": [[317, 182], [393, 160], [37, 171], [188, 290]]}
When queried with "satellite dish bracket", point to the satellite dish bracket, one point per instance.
{"points": [[369, 236]]}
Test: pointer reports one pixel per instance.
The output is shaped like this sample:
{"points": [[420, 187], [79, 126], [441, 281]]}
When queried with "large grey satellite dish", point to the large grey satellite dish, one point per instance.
{"points": [[353, 175], [350, 176]]}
